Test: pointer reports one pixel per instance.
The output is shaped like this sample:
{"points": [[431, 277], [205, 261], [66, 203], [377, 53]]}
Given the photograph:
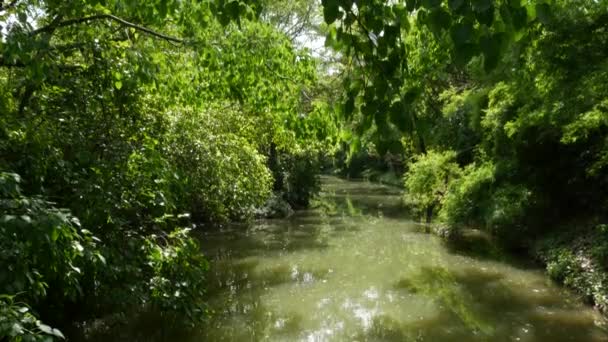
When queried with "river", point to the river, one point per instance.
{"points": [[354, 268]]}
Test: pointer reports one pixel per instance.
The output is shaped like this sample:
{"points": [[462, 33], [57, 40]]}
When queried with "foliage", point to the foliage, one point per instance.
{"points": [[232, 180], [468, 196], [428, 179], [600, 251], [505, 84], [293, 178], [44, 248], [20, 325], [141, 118], [562, 266], [508, 212], [573, 256], [517, 89], [171, 289]]}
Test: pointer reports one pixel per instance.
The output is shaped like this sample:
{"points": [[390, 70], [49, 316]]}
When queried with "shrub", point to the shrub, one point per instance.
{"points": [[599, 251], [43, 248], [177, 274], [45, 255], [507, 211], [299, 175], [469, 195], [428, 179], [563, 266], [222, 175]]}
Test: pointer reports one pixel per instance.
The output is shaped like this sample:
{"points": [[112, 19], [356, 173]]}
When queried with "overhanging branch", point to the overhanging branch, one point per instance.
{"points": [[121, 21]]}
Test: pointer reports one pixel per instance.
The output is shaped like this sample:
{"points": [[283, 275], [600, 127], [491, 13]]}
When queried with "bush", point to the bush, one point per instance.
{"points": [[507, 212], [428, 180], [469, 195], [296, 175], [221, 175], [51, 262], [301, 178], [45, 255], [563, 266], [43, 248], [599, 251], [177, 274], [478, 199]]}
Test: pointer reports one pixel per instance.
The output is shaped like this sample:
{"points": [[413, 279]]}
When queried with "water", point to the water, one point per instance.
{"points": [[354, 269]]}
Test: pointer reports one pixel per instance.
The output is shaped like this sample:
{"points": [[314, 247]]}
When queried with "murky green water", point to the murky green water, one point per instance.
{"points": [[354, 270]]}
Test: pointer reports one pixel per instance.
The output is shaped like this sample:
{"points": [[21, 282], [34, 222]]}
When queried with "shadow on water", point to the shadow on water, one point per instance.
{"points": [[480, 245], [482, 305], [353, 239], [265, 238]]}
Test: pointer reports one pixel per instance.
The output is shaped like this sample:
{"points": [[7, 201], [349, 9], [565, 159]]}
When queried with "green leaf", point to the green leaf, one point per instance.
{"points": [[531, 10], [462, 33], [101, 258], [543, 13], [232, 9], [51, 331], [514, 3], [463, 53], [349, 107], [331, 11], [439, 20], [355, 145], [58, 333], [485, 17], [118, 85], [411, 95], [16, 329], [22, 17], [399, 117], [411, 5], [505, 14], [401, 14], [481, 5], [54, 234], [490, 47], [365, 124], [162, 9], [519, 17], [369, 108], [380, 121], [430, 4], [455, 4]]}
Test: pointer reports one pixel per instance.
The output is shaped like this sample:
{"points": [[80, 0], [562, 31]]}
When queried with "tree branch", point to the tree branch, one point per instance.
{"points": [[121, 21]]}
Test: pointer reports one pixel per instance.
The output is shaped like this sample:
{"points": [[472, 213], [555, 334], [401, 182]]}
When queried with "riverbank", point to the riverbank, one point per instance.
{"points": [[574, 255]]}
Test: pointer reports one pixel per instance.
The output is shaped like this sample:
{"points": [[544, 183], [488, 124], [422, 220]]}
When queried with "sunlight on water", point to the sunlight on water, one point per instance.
{"points": [[353, 269]]}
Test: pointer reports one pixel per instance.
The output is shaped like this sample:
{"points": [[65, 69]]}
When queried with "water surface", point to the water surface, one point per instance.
{"points": [[354, 269]]}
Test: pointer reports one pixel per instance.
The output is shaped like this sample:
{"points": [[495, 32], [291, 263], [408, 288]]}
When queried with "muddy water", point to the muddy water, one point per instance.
{"points": [[354, 269]]}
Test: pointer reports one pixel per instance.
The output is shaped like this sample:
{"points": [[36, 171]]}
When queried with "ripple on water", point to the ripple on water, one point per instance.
{"points": [[349, 271]]}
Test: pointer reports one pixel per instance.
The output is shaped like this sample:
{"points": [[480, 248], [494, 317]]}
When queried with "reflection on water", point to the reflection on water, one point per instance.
{"points": [[353, 269]]}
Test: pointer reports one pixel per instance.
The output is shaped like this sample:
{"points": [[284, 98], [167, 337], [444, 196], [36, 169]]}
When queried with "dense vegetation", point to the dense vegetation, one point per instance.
{"points": [[124, 125], [499, 110]]}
